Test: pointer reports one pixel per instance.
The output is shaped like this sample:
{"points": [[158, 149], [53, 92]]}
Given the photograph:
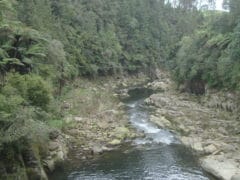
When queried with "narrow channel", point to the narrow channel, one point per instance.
{"points": [[156, 156]]}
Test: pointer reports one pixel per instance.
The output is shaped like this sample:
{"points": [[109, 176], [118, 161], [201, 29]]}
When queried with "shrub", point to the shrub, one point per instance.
{"points": [[32, 88]]}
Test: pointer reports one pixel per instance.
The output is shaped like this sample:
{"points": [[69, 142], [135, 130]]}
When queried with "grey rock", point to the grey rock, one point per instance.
{"points": [[224, 170], [53, 145], [54, 134], [236, 177]]}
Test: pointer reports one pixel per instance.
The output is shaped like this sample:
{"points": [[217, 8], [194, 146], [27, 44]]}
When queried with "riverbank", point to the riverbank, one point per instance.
{"points": [[207, 124], [156, 155], [94, 118]]}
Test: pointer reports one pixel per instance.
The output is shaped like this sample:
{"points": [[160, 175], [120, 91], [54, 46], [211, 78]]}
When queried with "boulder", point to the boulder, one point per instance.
{"points": [[183, 129], [49, 164], [158, 100], [123, 94], [78, 119], [121, 132], [158, 85], [235, 177], [197, 146], [193, 143], [53, 145], [161, 121], [97, 149], [73, 132], [115, 142], [210, 149], [222, 169], [103, 124]]}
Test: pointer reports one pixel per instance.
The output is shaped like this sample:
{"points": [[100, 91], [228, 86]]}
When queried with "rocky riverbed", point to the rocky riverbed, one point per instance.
{"points": [[95, 119], [208, 124]]}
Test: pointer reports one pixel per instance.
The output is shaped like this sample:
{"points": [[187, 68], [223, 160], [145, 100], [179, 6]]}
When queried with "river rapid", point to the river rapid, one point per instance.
{"points": [[156, 156]]}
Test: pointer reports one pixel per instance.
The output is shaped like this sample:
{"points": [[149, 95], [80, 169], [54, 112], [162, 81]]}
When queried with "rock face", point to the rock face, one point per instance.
{"points": [[57, 151], [227, 101], [203, 123]]}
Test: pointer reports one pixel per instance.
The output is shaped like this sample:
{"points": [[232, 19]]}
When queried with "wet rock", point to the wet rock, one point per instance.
{"points": [[224, 169], [235, 177]]}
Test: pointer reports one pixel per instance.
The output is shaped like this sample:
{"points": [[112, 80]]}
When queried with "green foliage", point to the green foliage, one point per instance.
{"points": [[56, 123], [212, 53], [110, 37], [32, 88], [19, 47], [46, 44]]}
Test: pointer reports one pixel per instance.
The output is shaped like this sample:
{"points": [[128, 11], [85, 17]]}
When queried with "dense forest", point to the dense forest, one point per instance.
{"points": [[45, 45]]}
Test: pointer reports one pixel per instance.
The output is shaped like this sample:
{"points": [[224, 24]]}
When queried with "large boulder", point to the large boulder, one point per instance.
{"points": [[236, 177], [220, 167]]}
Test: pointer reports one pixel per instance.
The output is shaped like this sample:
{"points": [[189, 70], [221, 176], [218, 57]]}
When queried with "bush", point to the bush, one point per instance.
{"points": [[32, 88], [38, 92]]}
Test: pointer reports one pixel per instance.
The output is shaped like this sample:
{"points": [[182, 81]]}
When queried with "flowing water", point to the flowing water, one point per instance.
{"points": [[157, 156]]}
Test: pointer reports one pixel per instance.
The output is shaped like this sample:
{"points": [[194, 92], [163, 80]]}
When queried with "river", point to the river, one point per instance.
{"points": [[157, 156]]}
